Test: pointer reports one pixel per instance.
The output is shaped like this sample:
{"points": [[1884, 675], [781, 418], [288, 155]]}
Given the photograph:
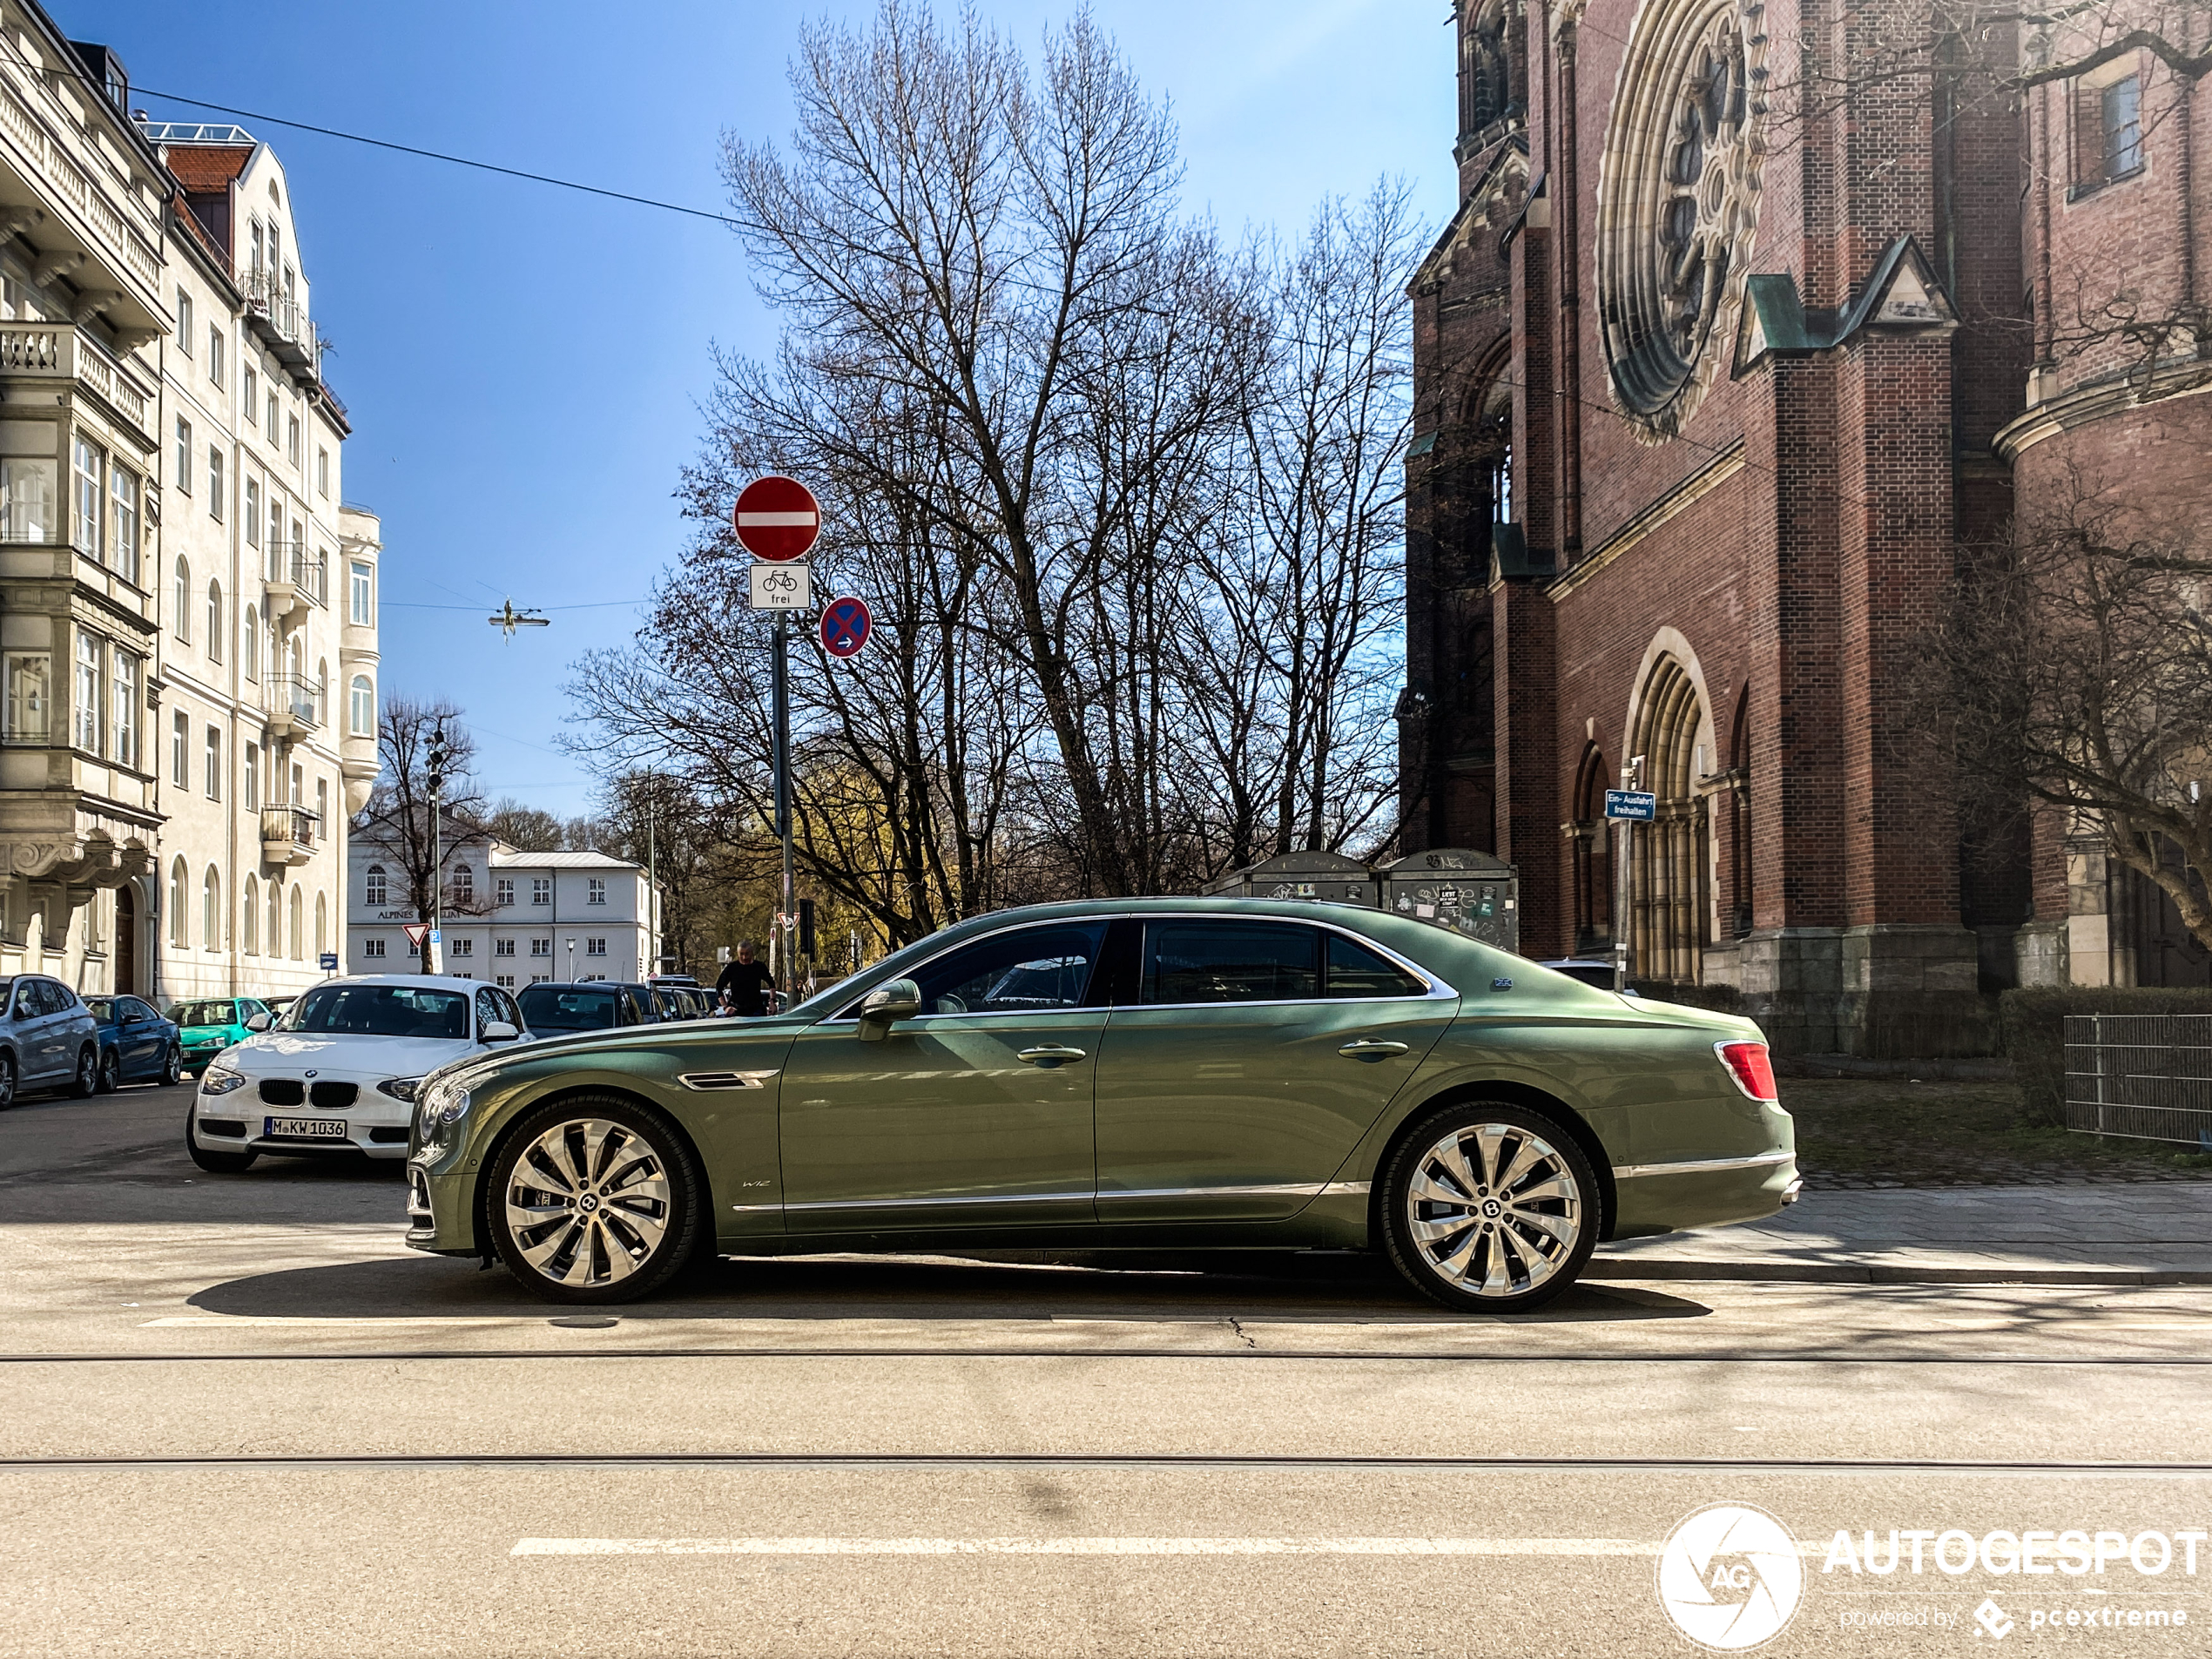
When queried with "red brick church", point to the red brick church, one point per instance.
{"points": [[1724, 350]]}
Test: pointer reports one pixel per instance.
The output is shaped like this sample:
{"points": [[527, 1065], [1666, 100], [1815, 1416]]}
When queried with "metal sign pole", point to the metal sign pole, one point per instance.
{"points": [[1624, 851], [788, 907]]}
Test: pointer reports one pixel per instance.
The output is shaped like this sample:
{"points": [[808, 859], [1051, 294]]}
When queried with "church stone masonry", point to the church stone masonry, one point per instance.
{"points": [[1710, 379]]}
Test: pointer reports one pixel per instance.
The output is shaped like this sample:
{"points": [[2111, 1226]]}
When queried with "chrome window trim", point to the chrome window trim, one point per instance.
{"points": [[1438, 990], [1700, 1166]]}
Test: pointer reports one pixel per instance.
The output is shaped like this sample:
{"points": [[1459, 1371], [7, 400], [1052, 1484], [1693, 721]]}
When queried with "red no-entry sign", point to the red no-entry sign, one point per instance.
{"points": [[778, 518]]}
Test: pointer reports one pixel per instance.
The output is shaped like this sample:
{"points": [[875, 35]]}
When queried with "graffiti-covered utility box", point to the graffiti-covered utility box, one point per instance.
{"points": [[1472, 892], [1329, 877]]}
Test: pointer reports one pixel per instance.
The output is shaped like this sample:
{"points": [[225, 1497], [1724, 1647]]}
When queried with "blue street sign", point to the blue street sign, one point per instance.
{"points": [[845, 626], [1633, 804], [330, 961]]}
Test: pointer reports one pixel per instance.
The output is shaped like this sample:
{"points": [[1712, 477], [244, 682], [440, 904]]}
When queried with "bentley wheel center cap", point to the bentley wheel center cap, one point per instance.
{"points": [[1491, 1208], [587, 1203]]}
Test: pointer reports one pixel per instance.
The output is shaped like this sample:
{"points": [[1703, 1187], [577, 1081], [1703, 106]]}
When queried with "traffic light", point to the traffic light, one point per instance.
{"points": [[437, 758], [806, 928]]}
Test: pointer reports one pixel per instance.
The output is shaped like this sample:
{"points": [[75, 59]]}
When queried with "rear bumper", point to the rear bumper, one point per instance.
{"points": [[1705, 1192]]}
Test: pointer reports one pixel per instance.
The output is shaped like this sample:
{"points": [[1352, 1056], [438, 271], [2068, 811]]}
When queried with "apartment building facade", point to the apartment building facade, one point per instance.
{"points": [[511, 917]]}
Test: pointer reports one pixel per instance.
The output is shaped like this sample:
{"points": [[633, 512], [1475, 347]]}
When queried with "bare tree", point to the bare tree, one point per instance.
{"points": [[397, 819]]}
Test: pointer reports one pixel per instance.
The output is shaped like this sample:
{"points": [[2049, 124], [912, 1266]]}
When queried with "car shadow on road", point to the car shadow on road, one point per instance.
{"points": [[1335, 1289]]}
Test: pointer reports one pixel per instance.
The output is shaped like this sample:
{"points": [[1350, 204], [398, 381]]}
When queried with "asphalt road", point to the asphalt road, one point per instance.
{"points": [[240, 1418]]}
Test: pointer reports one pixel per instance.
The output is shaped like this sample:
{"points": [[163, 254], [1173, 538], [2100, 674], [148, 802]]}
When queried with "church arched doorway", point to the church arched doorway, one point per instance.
{"points": [[1670, 870]]}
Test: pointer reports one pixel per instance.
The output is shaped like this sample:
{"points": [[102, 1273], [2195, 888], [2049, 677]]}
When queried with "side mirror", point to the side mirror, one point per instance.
{"points": [[891, 1001], [498, 1031], [259, 1021]]}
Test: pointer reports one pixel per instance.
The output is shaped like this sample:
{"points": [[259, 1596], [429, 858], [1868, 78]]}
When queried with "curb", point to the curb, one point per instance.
{"points": [[1618, 1267]]}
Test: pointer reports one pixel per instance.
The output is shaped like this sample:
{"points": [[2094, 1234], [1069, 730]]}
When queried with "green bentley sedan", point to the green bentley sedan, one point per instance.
{"points": [[1162, 1074]]}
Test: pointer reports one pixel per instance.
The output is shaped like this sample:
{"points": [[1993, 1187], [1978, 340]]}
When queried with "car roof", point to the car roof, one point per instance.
{"points": [[432, 982]]}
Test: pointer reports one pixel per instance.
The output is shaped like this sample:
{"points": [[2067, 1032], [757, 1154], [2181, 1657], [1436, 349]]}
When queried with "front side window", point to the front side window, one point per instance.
{"points": [[361, 606], [27, 500], [1021, 972], [123, 522], [1217, 961], [87, 469], [88, 693]]}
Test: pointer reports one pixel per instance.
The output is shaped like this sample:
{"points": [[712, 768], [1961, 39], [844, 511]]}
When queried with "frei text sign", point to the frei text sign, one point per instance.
{"points": [[778, 518], [1636, 804], [781, 587]]}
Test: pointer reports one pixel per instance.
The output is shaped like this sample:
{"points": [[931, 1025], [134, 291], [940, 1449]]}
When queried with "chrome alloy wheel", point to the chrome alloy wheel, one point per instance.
{"points": [[1493, 1209], [589, 1203]]}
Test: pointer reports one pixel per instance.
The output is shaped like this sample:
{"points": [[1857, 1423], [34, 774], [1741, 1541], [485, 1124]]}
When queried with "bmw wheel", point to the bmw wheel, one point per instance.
{"points": [[111, 1072], [86, 1078], [1490, 1208], [594, 1199]]}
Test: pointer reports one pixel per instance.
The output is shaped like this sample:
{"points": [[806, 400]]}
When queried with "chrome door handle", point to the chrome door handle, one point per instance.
{"points": [[1370, 1049], [1049, 1055]]}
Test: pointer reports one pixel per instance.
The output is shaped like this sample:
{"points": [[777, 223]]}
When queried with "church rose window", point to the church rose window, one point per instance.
{"points": [[1678, 204]]}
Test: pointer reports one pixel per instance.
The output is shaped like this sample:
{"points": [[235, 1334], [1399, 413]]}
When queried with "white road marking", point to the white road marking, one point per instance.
{"points": [[1569, 1546]]}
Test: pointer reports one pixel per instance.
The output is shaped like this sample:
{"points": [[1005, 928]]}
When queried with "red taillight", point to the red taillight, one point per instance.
{"points": [[1748, 1065]]}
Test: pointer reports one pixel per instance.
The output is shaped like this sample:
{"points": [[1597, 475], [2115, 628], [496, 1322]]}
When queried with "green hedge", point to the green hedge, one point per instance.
{"points": [[2031, 1031]]}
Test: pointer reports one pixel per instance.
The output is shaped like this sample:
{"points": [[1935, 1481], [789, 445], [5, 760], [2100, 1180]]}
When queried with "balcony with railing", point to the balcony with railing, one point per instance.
{"points": [[292, 702], [61, 351], [289, 835], [282, 322], [298, 576]]}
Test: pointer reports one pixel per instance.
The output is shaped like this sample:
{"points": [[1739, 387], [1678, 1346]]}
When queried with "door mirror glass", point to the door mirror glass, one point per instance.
{"points": [[259, 1022], [894, 999], [499, 1031]]}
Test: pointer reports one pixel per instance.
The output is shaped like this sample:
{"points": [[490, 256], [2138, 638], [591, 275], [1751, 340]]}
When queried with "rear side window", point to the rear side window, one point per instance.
{"points": [[1214, 960], [1356, 971], [1026, 971]]}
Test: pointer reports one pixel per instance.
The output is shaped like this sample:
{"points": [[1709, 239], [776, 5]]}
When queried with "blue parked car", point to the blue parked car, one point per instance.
{"points": [[137, 1045]]}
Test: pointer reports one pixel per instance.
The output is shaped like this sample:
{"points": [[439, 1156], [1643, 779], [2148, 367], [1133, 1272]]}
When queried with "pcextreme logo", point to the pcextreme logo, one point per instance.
{"points": [[1729, 1577]]}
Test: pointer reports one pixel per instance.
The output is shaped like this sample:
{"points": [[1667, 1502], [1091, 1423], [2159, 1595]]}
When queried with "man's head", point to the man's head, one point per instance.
{"points": [[745, 950]]}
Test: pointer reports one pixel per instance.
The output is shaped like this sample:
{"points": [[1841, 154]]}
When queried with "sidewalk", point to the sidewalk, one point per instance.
{"points": [[2145, 1233]]}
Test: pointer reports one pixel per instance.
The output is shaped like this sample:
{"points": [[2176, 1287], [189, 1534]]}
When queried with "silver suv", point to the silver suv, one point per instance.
{"points": [[48, 1039]]}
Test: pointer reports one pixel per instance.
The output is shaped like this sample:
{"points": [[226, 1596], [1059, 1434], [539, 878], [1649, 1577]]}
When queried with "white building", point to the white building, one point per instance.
{"points": [[513, 918], [267, 591]]}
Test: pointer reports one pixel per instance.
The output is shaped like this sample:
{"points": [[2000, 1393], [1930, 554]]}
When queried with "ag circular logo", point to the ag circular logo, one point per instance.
{"points": [[1729, 1577]]}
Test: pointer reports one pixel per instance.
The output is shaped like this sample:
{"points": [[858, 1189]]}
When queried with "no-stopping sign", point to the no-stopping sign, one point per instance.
{"points": [[845, 626]]}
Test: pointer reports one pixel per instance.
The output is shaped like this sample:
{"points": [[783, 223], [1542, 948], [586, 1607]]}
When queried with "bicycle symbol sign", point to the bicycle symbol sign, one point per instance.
{"points": [[845, 626], [780, 587]]}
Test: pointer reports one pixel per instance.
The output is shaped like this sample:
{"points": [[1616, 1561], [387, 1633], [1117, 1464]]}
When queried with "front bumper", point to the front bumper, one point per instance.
{"points": [[376, 1125], [440, 1213]]}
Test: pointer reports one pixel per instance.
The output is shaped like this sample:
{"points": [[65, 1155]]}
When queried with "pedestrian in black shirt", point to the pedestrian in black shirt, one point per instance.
{"points": [[744, 980]]}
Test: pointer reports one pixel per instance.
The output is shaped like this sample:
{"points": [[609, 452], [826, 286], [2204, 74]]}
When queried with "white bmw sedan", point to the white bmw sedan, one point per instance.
{"points": [[338, 1073]]}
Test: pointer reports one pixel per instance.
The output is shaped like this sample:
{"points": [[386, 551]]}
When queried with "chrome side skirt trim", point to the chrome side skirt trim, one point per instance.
{"points": [[706, 1080], [1334, 1188], [1347, 1190], [1700, 1166], [820, 1204]]}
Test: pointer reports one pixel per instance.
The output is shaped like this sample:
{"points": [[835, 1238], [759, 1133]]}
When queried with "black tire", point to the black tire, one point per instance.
{"points": [[1497, 1249], [172, 1069], [216, 1163], [7, 1079], [85, 1080], [649, 1182], [110, 1077]]}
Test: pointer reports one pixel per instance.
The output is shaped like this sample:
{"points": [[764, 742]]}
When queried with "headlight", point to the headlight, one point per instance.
{"points": [[220, 1080], [399, 1088], [442, 1107]]}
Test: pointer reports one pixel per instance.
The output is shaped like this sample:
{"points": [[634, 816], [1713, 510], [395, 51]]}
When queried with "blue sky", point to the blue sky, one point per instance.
{"points": [[523, 366]]}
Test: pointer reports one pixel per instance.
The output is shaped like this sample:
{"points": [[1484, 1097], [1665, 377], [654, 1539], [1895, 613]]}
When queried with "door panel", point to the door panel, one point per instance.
{"points": [[1243, 1110]]}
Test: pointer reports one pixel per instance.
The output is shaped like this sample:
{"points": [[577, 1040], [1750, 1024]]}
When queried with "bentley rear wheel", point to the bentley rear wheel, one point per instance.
{"points": [[1490, 1208], [594, 1199]]}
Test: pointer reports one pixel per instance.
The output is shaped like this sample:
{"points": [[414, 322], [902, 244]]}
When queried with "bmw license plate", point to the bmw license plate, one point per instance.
{"points": [[307, 1129]]}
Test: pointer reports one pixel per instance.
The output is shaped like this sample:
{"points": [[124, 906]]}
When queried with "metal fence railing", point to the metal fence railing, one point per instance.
{"points": [[2145, 1076]]}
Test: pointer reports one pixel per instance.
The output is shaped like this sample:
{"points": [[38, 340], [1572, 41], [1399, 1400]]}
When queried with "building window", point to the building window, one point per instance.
{"points": [[464, 886], [249, 387], [215, 483], [2120, 107], [503, 890], [506, 982], [252, 777], [464, 948], [322, 471], [249, 919], [595, 947], [540, 948], [280, 559], [276, 920], [292, 439], [184, 322], [271, 407], [210, 910], [541, 978], [88, 693], [372, 947], [322, 923], [502, 947], [177, 914], [249, 645], [372, 890], [30, 692], [179, 748], [215, 353], [413, 949], [123, 731], [598, 892], [123, 522], [214, 621], [299, 928], [214, 781], [253, 512], [183, 611], [362, 595], [322, 812], [184, 454], [27, 500], [540, 889], [88, 459], [361, 708]]}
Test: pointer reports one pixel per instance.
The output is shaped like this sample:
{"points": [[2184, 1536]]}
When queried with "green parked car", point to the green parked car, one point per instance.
{"points": [[213, 1024], [1160, 1074]]}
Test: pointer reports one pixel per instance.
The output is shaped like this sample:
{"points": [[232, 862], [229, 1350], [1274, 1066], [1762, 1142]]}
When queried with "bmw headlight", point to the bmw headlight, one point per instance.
{"points": [[399, 1088], [220, 1080]]}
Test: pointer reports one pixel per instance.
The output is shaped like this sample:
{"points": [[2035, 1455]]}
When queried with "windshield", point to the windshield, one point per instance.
{"points": [[548, 1008], [203, 1013], [383, 1011]]}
